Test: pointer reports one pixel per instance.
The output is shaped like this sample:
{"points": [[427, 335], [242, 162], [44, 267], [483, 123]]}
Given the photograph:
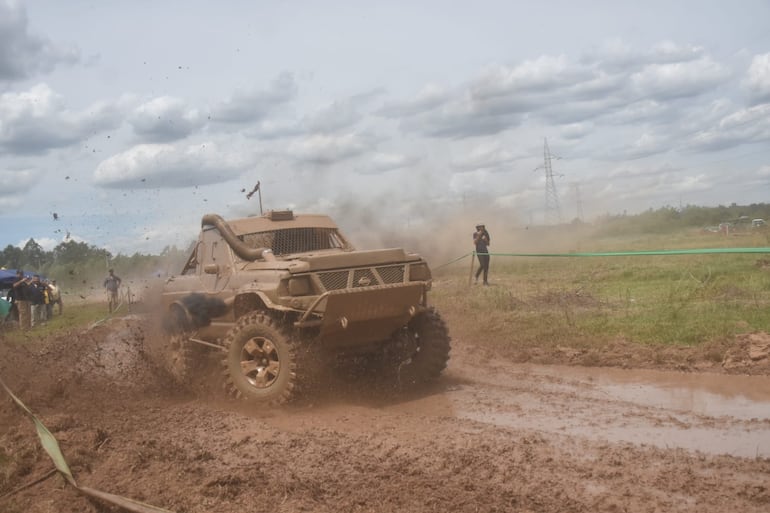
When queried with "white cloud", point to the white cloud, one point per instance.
{"points": [[14, 185], [560, 90], [758, 80], [680, 79], [331, 118], [47, 243], [641, 111], [625, 172], [246, 106], [170, 166], [542, 74], [645, 145], [740, 127], [327, 149], [646, 183], [619, 56], [23, 54], [668, 51], [164, 119], [37, 120], [383, 162], [428, 98], [576, 130], [14, 182], [490, 156]]}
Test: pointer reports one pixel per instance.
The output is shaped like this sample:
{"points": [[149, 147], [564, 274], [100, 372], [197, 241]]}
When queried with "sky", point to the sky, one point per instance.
{"points": [[123, 123]]}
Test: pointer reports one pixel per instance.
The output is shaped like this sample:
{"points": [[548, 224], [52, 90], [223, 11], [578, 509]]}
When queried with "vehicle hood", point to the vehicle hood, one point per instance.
{"points": [[347, 259]]}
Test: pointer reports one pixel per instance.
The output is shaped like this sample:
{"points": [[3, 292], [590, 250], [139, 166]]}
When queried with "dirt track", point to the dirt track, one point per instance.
{"points": [[489, 436]]}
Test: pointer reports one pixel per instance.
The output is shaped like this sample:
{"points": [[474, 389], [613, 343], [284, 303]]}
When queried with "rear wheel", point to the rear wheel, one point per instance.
{"points": [[261, 360], [428, 342]]}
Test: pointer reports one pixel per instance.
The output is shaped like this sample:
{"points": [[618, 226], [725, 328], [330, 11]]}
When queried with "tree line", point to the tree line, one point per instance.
{"points": [[77, 264], [671, 219]]}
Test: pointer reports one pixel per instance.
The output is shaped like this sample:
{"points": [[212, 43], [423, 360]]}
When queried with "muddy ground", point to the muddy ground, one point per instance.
{"points": [[686, 434]]}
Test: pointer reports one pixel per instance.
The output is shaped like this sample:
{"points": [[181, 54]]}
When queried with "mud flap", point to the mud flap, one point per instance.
{"points": [[368, 314]]}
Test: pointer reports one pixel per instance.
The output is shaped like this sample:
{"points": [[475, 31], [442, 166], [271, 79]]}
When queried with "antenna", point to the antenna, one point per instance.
{"points": [[257, 189], [552, 208]]}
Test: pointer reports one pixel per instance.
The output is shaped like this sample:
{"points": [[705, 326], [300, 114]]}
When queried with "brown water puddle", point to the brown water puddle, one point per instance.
{"points": [[714, 414], [713, 395]]}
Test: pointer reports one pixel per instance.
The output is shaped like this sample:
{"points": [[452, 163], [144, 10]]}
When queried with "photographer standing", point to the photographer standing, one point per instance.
{"points": [[482, 241]]}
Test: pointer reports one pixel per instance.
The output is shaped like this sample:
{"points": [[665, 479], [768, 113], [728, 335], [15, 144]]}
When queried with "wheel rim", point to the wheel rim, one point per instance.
{"points": [[260, 364]]}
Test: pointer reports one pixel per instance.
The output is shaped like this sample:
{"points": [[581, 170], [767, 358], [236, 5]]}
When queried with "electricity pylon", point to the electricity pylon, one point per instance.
{"points": [[578, 201], [552, 208]]}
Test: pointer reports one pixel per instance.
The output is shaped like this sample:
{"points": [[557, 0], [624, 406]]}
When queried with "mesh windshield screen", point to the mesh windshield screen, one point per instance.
{"points": [[295, 240]]}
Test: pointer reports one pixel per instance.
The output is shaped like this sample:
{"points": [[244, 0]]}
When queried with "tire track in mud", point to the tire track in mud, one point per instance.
{"points": [[488, 436]]}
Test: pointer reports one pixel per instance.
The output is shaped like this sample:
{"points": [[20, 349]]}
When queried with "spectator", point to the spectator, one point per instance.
{"points": [[21, 290], [48, 300], [112, 284], [36, 296], [55, 293], [482, 240]]}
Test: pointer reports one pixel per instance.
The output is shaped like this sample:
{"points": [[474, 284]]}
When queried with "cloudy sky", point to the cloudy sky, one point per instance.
{"points": [[130, 120]]}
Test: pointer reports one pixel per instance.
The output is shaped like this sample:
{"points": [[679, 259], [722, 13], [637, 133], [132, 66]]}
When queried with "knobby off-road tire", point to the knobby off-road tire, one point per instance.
{"points": [[182, 357], [432, 344], [261, 360]]}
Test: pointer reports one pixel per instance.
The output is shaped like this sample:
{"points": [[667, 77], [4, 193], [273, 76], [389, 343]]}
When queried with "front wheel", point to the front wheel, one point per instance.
{"points": [[183, 357], [261, 360], [427, 338]]}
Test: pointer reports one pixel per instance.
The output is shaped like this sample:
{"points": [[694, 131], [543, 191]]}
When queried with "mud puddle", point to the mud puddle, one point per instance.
{"points": [[713, 395], [714, 414]]}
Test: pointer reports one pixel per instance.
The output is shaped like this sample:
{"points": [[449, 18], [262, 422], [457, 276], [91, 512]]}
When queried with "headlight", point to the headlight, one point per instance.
{"points": [[300, 286], [419, 272]]}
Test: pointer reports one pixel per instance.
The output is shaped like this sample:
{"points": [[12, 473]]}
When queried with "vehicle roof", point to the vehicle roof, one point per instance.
{"points": [[264, 223]]}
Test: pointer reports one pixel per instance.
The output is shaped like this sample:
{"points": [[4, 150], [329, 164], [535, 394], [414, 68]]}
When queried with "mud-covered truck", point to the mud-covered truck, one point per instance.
{"points": [[269, 290]]}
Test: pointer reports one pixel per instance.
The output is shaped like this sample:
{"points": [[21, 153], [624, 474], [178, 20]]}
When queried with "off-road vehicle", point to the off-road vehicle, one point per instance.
{"points": [[269, 290]]}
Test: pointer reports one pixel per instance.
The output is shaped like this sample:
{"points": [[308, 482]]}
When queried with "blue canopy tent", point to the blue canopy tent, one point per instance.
{"points": [[8, 278]]}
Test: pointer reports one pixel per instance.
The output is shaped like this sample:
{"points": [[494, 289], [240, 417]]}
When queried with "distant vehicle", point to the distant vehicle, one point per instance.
{"points": [[741, 225]]}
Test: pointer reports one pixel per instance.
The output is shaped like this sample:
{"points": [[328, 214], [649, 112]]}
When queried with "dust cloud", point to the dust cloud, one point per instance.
{"points": [[442, 232]]}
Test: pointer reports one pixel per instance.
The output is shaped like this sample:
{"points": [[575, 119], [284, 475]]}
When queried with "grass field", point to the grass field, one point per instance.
{"points": [[75, 316], [586, 302], [578, 302]]}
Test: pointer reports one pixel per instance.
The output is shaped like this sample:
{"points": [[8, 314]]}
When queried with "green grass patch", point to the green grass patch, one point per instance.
{"points": [[74, 317], [591, 301]]}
